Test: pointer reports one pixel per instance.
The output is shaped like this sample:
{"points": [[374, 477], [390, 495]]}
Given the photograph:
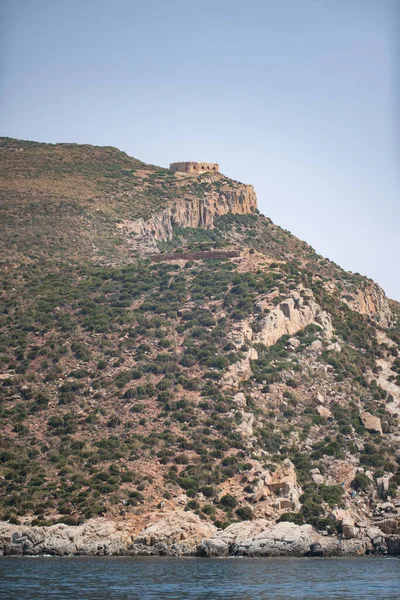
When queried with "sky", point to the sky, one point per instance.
{"points": [[298, 97]]}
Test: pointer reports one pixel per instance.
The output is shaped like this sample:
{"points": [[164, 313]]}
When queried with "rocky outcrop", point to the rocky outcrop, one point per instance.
{"points": [[333, 546], [393, 544], [97, 537], [224, 542], [177, 534], [279, 489], [239, 371], [290, 316], [283, 539], [185, 534], [370, 301], [196, 212]]}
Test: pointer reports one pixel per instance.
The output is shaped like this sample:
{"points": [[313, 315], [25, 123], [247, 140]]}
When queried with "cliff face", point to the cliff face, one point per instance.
{"points": [[370, 301], [196, 212], [292, 315]]}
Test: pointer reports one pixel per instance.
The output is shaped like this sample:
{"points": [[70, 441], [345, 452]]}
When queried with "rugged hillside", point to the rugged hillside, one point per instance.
{"points": [[166, 347]]}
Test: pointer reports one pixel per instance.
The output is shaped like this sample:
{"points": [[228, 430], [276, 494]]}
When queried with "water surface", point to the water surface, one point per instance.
{"points": [[83, 578]]}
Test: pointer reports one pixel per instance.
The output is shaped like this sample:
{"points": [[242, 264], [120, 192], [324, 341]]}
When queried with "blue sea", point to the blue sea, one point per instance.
{"points": [[83, 578]]}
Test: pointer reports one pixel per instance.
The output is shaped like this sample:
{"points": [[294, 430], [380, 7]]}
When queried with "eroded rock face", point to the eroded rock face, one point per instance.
{"points": [[290, 316], [178, 533], [370, 301], [185, 534], [283, 539], [97, 537], [284, 483], [199, 212], [224, 541]]}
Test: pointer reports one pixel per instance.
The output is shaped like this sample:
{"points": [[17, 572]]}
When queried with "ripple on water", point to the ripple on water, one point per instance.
{"points": [[83, 578]]}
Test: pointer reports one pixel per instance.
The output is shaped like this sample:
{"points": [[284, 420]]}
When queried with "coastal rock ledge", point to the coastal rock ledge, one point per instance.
{"points": [[185, 534]]}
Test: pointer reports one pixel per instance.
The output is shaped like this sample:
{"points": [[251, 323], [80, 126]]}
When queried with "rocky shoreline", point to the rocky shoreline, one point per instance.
{"points": [[185, 534]]}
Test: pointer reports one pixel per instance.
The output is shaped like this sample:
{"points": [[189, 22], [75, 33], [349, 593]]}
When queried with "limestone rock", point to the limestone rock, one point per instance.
{"points": [[284, 482], [383, 486], [283, 539], [332, 546], [199, 212], [317, 478], [371, 423], [374, 534], [370, 301], [293, 343], [237, 533], [393, 544], [289, 317], [349, 531], [175, 528], [239, 371], [324, 412], [388, 526], [95, 537], [240, 334], [245, 428], [215, 547], [240, 400]]}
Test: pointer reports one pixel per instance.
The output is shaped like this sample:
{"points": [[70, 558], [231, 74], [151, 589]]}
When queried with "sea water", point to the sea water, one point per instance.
{"points": [[83, 578]]}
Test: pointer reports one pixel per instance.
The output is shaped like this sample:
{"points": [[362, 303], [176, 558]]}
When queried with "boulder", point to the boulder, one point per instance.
{"points": [[316, 476], [324, 412], [388, 526], [371, 423], [240, 400], [332, 546], [375, 535], [393, 544], [293, 343], [245, 428], [283, 539], [349, 531]]}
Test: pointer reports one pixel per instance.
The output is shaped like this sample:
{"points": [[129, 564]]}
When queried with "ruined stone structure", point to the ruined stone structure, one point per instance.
{"points": [[194, 167]]}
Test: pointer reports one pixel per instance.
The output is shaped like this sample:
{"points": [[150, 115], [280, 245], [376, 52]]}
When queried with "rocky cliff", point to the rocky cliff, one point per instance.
{"points": [[185, 534], [370, 300], [292, 315], [193, 212]]}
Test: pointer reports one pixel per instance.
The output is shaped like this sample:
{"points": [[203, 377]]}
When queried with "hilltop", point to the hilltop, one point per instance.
{"points": [[166, 348]]}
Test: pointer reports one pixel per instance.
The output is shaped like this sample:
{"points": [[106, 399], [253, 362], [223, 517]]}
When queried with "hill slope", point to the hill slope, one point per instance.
{"points": [[165, 346]]}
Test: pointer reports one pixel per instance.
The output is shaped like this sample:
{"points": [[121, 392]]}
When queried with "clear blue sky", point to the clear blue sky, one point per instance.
{"points": [[297, 97]]}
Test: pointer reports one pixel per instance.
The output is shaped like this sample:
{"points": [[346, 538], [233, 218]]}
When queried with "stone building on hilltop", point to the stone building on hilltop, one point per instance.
{"points": [[194, 167]]}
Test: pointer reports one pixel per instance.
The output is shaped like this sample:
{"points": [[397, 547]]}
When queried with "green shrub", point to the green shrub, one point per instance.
{"points": [[361, 482], [244, 513], [228, 501]]}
